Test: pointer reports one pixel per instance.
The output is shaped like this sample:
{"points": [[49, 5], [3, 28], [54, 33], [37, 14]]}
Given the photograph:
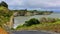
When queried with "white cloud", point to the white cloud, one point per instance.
{"points": [[46, 3], [14, 2], [33, 4]]}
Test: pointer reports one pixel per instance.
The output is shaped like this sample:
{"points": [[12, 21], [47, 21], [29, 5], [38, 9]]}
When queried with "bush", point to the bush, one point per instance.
{"points": [[31, 22], [12, 29]]}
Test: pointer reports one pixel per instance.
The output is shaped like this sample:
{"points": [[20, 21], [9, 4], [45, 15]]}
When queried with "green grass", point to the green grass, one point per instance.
{"points": [[5, 15], [55, 27]]}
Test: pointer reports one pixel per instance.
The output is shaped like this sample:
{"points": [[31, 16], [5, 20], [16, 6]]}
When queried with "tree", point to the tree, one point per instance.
{"points": [[31, 22], [0, 4], [4, 4]]}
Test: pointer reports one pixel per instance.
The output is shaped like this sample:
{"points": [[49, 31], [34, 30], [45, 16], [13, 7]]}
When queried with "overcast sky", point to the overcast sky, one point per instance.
{"points": [[34, 4]]}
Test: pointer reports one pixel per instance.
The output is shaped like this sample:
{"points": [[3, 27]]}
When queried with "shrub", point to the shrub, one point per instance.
{"points": [[31, 22], [12, 29]]}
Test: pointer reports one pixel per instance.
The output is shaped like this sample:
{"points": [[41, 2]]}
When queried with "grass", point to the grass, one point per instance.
{"points": [[55, 27], [5, 15]]}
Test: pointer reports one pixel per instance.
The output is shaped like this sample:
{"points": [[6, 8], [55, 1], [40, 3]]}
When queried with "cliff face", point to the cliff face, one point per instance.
{"points": [[28, 14], [11, 22]]}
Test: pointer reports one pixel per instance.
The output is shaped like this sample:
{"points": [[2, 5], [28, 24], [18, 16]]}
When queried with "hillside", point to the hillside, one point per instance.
{"points": [[5, 16], [46, 25]]}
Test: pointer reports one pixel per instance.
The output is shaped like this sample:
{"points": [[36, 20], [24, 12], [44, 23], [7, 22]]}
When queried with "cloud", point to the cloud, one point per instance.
{"points": [[14, 2], [44, 3], [33, 4]]}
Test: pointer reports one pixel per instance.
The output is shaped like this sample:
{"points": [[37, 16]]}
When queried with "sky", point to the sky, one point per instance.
{"points": [[51, 5]]}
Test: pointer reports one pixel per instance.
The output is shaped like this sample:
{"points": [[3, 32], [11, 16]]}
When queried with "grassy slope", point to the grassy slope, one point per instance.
{"points": [[2, 30], [4, 18], [55, 27]]}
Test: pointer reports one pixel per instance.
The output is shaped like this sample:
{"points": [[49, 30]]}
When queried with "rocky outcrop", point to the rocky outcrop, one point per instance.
{"points": [[11, 22]]}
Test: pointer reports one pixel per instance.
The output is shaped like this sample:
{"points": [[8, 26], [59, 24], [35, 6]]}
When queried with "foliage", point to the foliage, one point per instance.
{"points": [[31, 22], [55, 27], [5, 15], [4, 4], [12, 29], [20, 26]]}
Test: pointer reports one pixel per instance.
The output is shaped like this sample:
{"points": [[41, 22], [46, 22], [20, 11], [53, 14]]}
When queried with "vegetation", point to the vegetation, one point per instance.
{"points": [[34, 24], [4, 4], [31, 22], [45, 12], [31, 12], [12, 29], [48, 26], [5, 13]]}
